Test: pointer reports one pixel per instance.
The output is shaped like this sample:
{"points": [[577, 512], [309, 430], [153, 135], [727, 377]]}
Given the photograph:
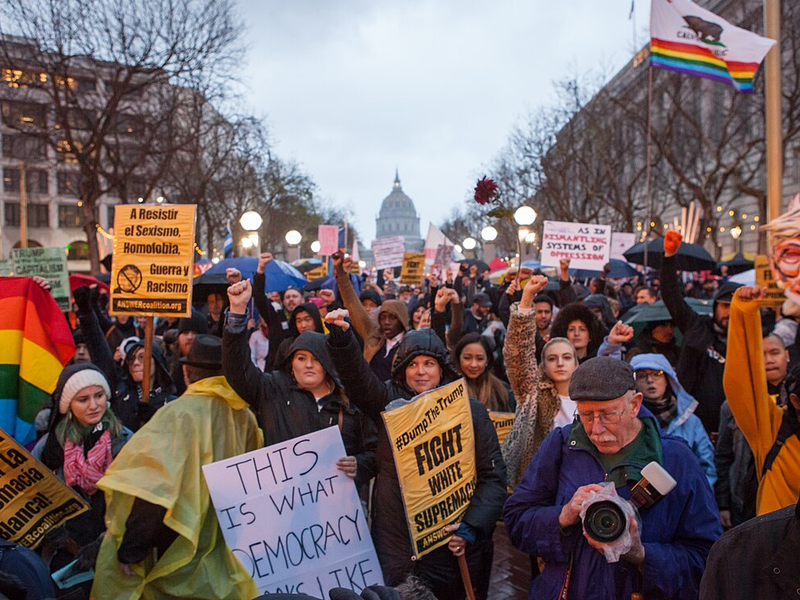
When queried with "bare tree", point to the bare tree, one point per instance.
{"points": [[111, 97]]}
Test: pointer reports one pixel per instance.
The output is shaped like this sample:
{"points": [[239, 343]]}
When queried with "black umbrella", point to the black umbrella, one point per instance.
{"points": [[317, 284], [619, 270], [209, 283], [738, 264], [482, 266], [690, 257]]}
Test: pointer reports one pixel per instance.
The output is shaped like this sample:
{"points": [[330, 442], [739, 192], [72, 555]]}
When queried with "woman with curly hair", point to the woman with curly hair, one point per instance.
{"points": [[542, 391], [580, 326]]}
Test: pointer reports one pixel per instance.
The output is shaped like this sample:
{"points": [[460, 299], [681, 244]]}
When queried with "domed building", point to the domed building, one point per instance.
{"points": [[398, 216]]}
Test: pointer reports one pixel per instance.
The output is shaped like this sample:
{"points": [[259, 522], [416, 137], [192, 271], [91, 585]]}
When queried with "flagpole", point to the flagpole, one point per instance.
{"points": [[649, 155], [772, 26]]}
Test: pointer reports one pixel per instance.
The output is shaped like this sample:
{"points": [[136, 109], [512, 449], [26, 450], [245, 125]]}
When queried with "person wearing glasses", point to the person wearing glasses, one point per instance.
{"points": [[612, 439], [673, 407]]}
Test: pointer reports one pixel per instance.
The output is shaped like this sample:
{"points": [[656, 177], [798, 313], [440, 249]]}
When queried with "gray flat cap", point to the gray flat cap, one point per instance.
{"points": [[601, 378]]}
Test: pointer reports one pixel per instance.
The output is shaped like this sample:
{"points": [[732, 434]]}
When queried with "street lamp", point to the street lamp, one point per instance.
{"points": [[315, 246], [469, 243], [489, 235], [293, 238], [458, 248], [525, 215], [251, 221], [735, 233]]}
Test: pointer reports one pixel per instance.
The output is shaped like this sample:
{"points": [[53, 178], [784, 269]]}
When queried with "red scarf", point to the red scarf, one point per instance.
{"points": [[85, 471]]}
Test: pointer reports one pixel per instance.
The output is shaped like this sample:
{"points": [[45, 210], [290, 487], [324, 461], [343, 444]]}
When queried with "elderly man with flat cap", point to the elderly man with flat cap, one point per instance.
{"points": [[612, 438]]}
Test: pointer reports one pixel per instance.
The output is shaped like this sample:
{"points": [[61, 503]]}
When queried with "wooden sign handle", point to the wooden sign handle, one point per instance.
{"points": [[462, 565], [148, 355]]}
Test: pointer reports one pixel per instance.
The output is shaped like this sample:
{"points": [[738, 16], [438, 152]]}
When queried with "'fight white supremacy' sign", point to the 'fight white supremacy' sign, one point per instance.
{"points": [[293, 519]]}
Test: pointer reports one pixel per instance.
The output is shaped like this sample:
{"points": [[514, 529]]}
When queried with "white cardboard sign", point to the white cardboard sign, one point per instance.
{"points": [[293, 519], [328, 236], [388, 252], [620, 243], [587, 246]]}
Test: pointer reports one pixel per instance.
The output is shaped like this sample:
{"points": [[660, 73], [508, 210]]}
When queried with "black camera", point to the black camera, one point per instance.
{"points": [[606, 520]]}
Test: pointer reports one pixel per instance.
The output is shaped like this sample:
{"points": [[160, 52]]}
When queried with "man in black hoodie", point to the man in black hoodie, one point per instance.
{"points": [[705, 339]]}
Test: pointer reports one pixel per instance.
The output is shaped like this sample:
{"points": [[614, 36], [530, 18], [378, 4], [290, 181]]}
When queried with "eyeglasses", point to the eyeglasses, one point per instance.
{"points": [[642, 375], [606, 418]]}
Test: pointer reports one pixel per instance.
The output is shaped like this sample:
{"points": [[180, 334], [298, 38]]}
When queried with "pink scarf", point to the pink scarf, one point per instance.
{"points": [[85, 471]]}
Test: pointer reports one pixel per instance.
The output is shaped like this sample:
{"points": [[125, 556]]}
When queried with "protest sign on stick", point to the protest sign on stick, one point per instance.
{"points": [[151, 274], [388, 252], [293, 519], [413, 271], [434, 450], [328, 236], [50, 263], [775, 295], [33, 501], [587, 246]]}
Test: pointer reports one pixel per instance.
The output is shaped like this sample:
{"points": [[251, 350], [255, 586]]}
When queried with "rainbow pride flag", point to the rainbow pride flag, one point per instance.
{"points": [[35, 344], [689, 39]]}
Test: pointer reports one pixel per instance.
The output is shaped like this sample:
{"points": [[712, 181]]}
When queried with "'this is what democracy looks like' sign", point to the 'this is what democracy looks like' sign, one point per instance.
{"points": [[434, 451], [152, 272], [293, 519]]}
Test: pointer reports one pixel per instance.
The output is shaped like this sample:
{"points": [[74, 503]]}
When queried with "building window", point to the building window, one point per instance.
{"points": [[69, 183], [24, 147], [86, 85], [16, 78], [23, 114], [38, 215], [70, 216], [35, 182], [78, 250]]}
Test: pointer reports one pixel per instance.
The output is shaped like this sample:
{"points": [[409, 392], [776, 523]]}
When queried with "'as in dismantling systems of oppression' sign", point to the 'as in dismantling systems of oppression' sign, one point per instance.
{"points": [[434, 450], [32, 500], [586, 246], [151, 272], [294, 520]]}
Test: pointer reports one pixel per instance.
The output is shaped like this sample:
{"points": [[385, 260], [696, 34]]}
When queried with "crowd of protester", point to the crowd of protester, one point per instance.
{"points": [[712, 398]]}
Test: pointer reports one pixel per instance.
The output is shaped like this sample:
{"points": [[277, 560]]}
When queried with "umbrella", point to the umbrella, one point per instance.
{"points": [[279, 275], [745, 277], [737, 264], [76, 280], [482, 266], [304, 265], [619, 270], [317, 284], [690, 257], [497, 264], [640, 315]]}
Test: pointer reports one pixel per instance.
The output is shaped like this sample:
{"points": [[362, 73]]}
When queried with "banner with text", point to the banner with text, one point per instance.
{"points": [[502, 421], [413, 271], [151, 274], [50, 263], [33, 501], [434, 450], [388, 252], [293, 519], [328, 236], [775, 295], [587, 246]]}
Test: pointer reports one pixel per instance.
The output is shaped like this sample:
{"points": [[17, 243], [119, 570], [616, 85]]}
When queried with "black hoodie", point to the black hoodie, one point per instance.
{"points": [[284, 350]]}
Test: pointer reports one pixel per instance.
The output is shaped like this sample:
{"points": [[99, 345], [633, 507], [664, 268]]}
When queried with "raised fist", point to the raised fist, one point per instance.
{"points": [[536, 284], [263, 259], [239, 295], [672, 241]]}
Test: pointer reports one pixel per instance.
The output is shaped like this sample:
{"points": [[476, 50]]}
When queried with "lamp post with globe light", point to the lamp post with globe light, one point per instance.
{"points": [[524, 217], [489, 235], [469, 243], [293, 239], [736, 232], [251, 222]]}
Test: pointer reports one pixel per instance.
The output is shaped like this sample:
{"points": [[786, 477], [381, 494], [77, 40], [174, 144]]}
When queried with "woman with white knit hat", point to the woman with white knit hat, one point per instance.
{"points": [[83, 438]]}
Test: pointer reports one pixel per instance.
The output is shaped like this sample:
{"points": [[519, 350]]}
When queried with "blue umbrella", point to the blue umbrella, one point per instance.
{"points": [[619, 270], [279, 275]]}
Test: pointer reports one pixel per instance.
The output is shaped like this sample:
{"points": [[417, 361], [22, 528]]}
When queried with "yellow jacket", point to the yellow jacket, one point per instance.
{"points": [[756, 413], [162, 464]]}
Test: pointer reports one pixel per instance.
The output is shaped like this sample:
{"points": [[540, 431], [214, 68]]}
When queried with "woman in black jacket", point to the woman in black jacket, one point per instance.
{"points": [[420, 365], [304, 395]]}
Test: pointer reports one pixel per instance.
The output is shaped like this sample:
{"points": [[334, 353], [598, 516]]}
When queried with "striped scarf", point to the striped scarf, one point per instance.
{"points": [[85, 470]]}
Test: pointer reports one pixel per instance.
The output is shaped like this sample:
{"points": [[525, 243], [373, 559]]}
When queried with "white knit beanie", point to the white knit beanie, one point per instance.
{"points": [[82, 379]]}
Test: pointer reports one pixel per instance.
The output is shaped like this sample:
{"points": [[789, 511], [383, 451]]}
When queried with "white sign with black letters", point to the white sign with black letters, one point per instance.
{"points": [[293, 519]]}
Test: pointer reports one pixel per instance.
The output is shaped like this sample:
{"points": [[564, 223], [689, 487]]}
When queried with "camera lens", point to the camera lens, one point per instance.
{"points": [[604, 521]]}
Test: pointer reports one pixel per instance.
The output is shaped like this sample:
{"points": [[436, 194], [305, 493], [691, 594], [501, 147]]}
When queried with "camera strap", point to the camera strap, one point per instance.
{"points": [[567, 574]]}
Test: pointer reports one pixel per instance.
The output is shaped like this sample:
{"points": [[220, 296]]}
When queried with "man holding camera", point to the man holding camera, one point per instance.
{"points": [[612, 439]]}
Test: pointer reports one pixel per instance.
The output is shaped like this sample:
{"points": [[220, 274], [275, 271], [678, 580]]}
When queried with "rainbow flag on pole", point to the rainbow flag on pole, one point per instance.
{"points": [[35, 344], [689, 39]]}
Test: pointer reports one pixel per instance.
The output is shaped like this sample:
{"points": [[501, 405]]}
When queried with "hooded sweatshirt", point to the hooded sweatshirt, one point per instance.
{"points": [[284, 350], [686, 424]]}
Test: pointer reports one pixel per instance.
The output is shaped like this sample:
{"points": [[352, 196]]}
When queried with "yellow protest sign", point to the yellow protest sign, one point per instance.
{"points": [[32, 500], [152, 269], [317, 272], [434, 450], [764, 279], [502, 421], [413, 269]]}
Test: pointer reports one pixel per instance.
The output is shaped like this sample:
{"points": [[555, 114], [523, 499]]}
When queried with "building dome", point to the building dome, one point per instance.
{"points": [[398, 217]]}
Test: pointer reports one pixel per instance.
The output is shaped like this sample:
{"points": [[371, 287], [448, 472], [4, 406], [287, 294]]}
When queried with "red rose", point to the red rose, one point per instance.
{"points": [[485, 191]]}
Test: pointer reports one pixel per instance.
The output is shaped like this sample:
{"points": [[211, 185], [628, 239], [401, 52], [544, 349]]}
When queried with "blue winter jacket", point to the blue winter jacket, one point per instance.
{"points": [[686, 424], [677, 532]]}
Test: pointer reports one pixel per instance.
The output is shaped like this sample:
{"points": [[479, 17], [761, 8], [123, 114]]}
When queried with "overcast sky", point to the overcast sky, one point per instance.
{"points": [[351, 89]]}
